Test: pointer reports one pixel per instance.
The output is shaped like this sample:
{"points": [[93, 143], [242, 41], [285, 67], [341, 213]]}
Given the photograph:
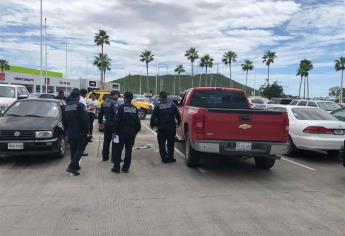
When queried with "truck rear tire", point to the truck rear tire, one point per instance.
{"points": [[192, 157], [264, 163]]}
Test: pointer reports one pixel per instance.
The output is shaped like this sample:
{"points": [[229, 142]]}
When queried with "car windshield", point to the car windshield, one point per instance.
{"points": [[293, 102], [34, 109], [329, 106], [218, 99], [7, 92], [311, 114], [49, 96]]}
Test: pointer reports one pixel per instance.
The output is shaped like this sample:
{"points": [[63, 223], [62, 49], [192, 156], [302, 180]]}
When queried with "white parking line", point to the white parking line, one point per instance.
{"points": [[299, 164], [153, 132]]}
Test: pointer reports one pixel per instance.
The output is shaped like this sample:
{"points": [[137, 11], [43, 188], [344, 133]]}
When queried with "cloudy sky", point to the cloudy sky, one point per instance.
{"points": [[312, 29]]}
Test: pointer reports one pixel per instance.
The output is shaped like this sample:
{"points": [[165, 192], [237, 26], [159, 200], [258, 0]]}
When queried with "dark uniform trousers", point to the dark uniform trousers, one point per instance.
{"points": [[166, 142], [77, 147], [127, 138], [108, 135]]}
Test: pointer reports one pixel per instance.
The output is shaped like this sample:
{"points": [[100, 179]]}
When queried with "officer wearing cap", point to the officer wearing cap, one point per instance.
{"points": [[165, 116], [76, 123], [126, 126], [108, 110]]}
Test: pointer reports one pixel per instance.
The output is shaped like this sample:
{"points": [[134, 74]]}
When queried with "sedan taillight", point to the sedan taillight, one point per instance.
{"points": [[317, 130]]}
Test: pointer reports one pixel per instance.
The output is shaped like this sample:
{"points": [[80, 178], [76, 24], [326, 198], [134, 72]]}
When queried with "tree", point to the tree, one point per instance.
{"points": [[100, 39], [335, 93], [228, 58], [247, 66], [207, 62], [179, 69], [192, 55], [268, 58], [4, 65], [147, 56], [272, 90], [303, 70], [103, 63], [340, 66]]}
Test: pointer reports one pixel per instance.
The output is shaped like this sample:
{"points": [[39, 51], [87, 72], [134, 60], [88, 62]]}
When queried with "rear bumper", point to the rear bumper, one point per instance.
{"points": [[31, 147], [318, 143], [228, 148]]}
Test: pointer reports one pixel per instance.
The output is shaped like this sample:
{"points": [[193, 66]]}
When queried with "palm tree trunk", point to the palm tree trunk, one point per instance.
{"points": [[192, 76], [206, 78], [300, 86], [147, 77], [230, 81], [268, 74], [304, 89], [341, 87], [179, 83], [246, 81], [102, 79], [307, 87]]}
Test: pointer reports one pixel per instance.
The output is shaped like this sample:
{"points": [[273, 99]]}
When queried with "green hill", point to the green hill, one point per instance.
{"points": [[166, 83]]}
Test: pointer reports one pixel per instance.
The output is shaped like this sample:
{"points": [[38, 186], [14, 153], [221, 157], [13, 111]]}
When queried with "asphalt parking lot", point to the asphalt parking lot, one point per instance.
{"points": [[304, 195]]}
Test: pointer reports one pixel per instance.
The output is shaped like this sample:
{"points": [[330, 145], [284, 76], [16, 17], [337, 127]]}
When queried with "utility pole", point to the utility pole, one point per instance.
{"points": [[156, 92], [66, 63], [41, 46], [45, 37]]}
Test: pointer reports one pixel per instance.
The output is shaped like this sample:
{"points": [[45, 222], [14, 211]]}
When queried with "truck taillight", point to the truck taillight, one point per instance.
{"points": [[199, 121], [317, 130]]}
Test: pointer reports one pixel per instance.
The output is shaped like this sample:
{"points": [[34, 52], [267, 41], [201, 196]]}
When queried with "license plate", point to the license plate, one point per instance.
{"points": [[15, 146], [243, 146], [339, 132]]}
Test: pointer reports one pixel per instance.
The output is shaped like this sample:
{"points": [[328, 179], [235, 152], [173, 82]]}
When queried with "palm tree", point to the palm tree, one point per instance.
{"points": [[4, 65], [340, 66], [268, 58], [228, 58], [100, 39], [247, 66], [147, 57], [103, 63], [303, 70], [192, 55], [179, 69], [207, 62]]}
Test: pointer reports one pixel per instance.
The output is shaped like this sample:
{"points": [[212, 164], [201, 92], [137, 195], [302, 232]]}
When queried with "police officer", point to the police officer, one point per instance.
{"points": [[76, 123], [108, 110], [126, 126], [164, 117]]}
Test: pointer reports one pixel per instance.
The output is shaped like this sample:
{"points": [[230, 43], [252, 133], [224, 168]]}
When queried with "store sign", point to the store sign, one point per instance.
{"points": [[64, 83], [47, 81], [24, 79], [92, 83], [2, 76]]}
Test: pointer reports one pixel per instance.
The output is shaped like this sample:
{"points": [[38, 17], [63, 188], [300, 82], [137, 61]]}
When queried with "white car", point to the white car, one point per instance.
{"points": [[328, 106], [10, 93], [313, 129]]}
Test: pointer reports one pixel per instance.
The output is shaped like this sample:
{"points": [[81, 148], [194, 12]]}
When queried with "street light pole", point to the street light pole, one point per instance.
{"points": [[66, 62], [41, 44], [45, 38]]}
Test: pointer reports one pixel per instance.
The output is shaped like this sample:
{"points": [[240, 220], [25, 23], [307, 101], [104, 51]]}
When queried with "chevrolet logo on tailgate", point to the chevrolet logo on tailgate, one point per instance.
{"points": [[245, 126]]}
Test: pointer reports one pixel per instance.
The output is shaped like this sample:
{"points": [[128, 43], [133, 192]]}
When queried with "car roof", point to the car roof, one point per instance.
{"points": [[11, 85], [42, 100], [291, 106]]}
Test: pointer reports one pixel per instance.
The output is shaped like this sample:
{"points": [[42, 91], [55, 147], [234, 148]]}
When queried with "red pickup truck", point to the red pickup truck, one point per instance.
{"points": [[220, 121]]}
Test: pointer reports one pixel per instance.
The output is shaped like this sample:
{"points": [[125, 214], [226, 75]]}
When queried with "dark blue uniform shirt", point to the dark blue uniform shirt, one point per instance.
{"points": [[127, 119], [76, 120], [108, 110], [165, 115]]}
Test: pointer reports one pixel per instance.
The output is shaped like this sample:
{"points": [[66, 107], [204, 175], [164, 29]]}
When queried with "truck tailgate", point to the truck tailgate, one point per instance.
{"points": [[246, 125]]}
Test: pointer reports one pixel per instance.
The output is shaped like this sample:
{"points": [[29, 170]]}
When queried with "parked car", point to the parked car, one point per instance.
{"points": [[328, 106], [47, 95], [258, 100], [339, 114], [10, 93], [220, 121], [282, 101], [32, 127], [312, 128], [142, 106]]}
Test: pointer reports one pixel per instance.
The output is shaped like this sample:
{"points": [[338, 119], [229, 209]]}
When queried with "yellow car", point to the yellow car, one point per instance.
{"points": [[143, 107]]}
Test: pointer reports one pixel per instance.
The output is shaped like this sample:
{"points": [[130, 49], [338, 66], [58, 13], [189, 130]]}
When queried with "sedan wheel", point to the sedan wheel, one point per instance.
{"points": [[142, 114], [291, 149], [62, 147]]}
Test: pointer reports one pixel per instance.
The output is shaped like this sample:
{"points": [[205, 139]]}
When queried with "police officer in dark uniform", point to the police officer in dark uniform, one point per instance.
{"points": [[126, 126], [76, 123], [108, 110], [164, 117]]}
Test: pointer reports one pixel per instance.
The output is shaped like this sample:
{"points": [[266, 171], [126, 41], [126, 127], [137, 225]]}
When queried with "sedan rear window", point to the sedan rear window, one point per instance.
{"points": [[7, 92], [311, 114], [329, 106], [219, 99]]}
